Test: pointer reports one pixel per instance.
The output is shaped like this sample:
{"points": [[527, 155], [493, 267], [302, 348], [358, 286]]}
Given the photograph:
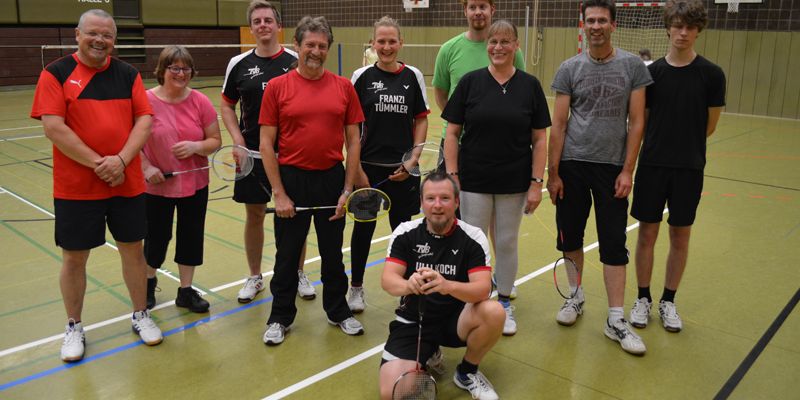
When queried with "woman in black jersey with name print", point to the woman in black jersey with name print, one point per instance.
{"points": [[500, 162], [395, 106]]}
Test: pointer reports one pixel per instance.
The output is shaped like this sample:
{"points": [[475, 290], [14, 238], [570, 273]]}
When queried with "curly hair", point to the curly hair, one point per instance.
{"points": [[689, 12]]}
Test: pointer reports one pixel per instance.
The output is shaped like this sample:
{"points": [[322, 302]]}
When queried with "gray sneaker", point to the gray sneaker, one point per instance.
{"points": [[669, 316], [356, 300], [510, 325], [350, 326], [275, 334], [570, 311], [304, 288], [640, 313]]}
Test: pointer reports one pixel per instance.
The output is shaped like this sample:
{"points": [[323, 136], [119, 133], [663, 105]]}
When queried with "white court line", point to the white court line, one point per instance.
{"points": [[326, 373], [124, 317], [21, 127], [369, 353]]}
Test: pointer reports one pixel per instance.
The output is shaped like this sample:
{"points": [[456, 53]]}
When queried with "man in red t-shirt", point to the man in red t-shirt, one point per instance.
{"points": [[95, 111], [311, 113]]}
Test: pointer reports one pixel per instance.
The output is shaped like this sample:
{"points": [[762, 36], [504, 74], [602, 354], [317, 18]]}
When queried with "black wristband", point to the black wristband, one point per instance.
{"points": [[537, 180]]}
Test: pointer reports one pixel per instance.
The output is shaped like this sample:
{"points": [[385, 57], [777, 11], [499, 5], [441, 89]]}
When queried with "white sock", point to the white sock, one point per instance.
{"points": [[615, 314]]}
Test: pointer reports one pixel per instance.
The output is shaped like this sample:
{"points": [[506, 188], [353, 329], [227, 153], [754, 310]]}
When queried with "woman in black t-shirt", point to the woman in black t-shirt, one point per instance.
{"points": [[502, 154]]}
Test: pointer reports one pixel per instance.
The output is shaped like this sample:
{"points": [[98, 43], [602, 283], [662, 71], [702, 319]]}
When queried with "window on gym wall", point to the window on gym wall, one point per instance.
{"points": [[127, 9]]}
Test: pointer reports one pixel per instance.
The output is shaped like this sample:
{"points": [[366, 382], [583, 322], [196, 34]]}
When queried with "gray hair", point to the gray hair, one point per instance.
{"points": [[313, 24], [97, 13]]}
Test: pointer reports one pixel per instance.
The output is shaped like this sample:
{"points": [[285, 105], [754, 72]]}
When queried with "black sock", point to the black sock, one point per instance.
{"points": [[645, 292], [466, 367], [668, 295]]}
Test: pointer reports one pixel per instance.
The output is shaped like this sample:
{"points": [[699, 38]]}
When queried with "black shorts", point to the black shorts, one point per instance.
{"points": [[402, 342], [253, 188], [403, 194], [584, 182], [81, 224], [678, 188]]}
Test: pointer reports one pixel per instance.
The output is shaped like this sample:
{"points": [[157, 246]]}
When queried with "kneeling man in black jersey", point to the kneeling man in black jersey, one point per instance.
{"points": [[445, 263]]}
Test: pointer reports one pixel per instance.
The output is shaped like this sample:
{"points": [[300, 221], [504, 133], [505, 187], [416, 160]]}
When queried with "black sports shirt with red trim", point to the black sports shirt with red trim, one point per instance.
{"points": [[457, 254], [390, 101], [245, 79]]}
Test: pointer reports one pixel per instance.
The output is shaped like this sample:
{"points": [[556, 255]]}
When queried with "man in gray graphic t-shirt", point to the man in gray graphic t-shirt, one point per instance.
{"points": [[598, 122]]}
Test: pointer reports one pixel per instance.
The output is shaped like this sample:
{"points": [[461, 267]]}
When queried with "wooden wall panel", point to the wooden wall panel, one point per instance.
{"points": [[791, 98], [779, 73]]}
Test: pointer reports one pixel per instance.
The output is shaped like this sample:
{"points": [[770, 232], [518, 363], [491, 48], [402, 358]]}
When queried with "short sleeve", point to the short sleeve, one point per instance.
{"points": [[141, 106], [268, 115], [421, 107], [456, 106], [716, 93], [441, 74], [641, 75], [208, 115], [230, 92], [49, 97], [354, 113], [399, 248], [562, 82], [541, 112]]}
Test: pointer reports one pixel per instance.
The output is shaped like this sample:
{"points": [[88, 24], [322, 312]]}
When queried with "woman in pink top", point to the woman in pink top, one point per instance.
{"points": [[184, 132]]}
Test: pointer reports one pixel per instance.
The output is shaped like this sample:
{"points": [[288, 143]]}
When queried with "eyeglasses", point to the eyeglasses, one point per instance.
{"points": [[94, 35], [503, 43], [177, 70]]}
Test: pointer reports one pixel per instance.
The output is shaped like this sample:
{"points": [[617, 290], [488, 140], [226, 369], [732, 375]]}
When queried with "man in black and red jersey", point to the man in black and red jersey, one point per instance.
{"points": [[245, 79], [95, 111], [443, 262], [310, 113]]}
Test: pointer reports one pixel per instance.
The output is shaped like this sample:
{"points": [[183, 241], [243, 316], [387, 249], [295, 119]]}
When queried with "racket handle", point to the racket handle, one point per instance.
{"points": [[168, 175], [269, 210]]}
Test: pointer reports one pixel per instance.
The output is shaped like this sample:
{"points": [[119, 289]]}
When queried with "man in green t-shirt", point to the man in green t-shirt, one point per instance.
{"points": [[466, 52]]}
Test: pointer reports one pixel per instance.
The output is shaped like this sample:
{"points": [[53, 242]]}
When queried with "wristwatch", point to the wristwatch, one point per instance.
{"points": [[537, 180]]}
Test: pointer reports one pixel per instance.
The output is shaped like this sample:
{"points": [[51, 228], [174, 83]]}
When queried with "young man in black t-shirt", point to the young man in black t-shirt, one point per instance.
{"points": [[445, 263], [245, 79], [684, 105]]}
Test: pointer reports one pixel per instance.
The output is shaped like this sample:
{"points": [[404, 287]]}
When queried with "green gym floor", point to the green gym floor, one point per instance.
{"points": [[737, 342]]}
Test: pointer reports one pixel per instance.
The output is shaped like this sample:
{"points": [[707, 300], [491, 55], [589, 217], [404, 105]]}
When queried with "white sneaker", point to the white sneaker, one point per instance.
{"points": [[621, 332], [513, 294], [477, 385], [640, 313], [510, 326], [74, 342], [350, 326], [275, 334], [570, 310], [669, 316], [356, 300], [143, 325], [252, 286], [435, 364], [304, 288]]}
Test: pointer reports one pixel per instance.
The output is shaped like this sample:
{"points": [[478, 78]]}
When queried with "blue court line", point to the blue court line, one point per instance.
{"points": [[110, 352]]}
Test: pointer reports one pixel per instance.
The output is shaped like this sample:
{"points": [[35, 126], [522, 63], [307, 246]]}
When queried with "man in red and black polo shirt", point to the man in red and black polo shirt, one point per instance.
{"points": [[311, 113], [95, 111]]}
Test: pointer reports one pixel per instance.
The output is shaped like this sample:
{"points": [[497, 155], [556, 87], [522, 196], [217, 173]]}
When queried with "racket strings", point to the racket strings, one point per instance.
{"points": [[366, 205], [428, 159], [232, 163], [414, 385]]}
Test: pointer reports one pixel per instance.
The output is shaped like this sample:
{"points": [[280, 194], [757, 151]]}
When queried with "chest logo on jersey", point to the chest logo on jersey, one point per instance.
{"points": [[285, 69], [406, 86], [254, 72], [377, 86], [424, 250], [78, 82], [455, 251]]}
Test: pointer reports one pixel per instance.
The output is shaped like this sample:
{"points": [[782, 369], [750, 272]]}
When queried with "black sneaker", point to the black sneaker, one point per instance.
{"points": [[151, 292], [189, 298]]}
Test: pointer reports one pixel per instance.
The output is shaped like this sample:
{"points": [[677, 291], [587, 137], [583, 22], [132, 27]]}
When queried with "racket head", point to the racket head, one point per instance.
{"points": [[231, 163], [368, 204], [423, 159], [413, 385], [566, 277]]}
